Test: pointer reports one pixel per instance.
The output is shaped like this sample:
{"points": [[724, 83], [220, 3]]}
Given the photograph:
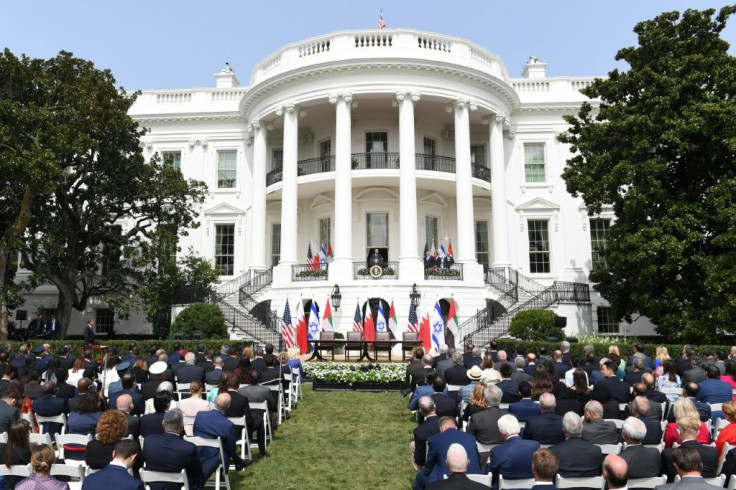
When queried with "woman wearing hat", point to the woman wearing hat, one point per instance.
{"points": [[474, 374]]}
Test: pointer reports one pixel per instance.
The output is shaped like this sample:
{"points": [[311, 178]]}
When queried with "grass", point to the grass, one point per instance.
{"points": [[340, 440]]}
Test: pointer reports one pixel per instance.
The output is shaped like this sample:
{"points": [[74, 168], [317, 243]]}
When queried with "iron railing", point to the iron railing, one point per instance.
{"points": [[452, 273], [436, 163], [374, 160], [480, 171], [362, 270], [274, 176], [307, 272], [316, 165], [238, 319]]}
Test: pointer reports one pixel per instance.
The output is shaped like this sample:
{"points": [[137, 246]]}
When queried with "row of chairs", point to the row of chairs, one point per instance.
{"points": [[592, 482]]}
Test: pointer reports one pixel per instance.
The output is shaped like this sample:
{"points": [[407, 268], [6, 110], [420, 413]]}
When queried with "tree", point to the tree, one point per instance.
{"points": [[535, 325], [661, 153], [201, 318]]}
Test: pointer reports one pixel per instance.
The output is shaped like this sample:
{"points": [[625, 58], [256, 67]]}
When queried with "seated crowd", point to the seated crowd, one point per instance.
{"points": [[133, 412], [533, 415]]}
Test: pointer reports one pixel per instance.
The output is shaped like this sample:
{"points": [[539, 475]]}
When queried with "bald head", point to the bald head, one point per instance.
{"points": [[189, 358], [615, 471], [222, 402], [124, 403], [84, 384], [457, 458]]}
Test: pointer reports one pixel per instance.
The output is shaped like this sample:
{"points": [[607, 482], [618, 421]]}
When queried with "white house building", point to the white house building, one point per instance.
{"points": [[393, 140]]}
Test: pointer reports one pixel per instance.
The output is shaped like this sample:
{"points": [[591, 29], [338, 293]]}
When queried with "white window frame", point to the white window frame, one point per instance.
{"points": [[217, 170]]}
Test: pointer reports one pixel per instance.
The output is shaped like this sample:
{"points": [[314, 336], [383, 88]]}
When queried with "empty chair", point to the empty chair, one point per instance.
{"points": [[40, 438], [55, 419], [148, 476], [243, 441], [596, 482], [72, 471], [409, 340], [353, 342], [326, 343], [382, 343], [263, 406]]}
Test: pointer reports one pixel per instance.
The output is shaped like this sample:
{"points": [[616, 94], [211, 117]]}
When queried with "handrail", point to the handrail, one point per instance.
{"points": [[245, 323]]}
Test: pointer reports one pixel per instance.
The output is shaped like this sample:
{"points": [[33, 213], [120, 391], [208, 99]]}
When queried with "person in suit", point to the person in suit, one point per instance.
{"points": [[640, 409], [37, 326], [457, 463], [445, 405], [213, 377], [89, 333], [595, 429], [509, 389], [475, 359], [688, 428], [525, 408], [643, 461], [484, 424], [189, 371], [615, 472], [695, 374], [423, 432], [577, 457], [9, 412], [254, 392], [212, 424], [639, 352], [53, 329], [151, 422], [435, 467], [513, 458], [417, 371], [115, 475], [425, 389], [457, 374], [258, 363], [690, 392], [545, 428], [50, 405], [518, 375], [712, 389], [124, 403], [690, 467], [544, 468], [239, 408], [129, 388], [170, 453], [634, 376]]}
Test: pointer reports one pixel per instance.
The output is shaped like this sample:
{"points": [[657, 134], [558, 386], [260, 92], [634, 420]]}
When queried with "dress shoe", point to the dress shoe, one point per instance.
{"points": [[264, 454]]}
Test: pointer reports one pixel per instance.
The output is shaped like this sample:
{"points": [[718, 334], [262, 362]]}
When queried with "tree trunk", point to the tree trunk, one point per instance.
{"points": [[64, 307]]}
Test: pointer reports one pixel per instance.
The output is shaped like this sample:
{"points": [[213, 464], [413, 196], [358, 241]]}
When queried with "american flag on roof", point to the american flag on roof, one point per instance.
{"points": [[413, 324], [287, 329], [381, 22], [357, 320]]}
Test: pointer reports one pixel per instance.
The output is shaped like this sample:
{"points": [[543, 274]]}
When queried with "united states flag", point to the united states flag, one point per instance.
{"points": [[287, 329], [357, 321], [413, 325], [381, 22]]}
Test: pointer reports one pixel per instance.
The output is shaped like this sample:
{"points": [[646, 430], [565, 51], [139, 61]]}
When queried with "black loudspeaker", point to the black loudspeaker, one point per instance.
{"points": [[21, 315], [560, 321]]}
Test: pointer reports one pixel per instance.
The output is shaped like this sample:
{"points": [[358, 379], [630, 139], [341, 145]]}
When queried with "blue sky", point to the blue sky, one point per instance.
{"points": [[158, 44]]}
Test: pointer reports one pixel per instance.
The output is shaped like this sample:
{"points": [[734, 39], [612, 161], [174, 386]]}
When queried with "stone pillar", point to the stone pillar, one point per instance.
{"points": [[498, 192], [342, 265], [464, 185], [258, 209], [289, 188]]}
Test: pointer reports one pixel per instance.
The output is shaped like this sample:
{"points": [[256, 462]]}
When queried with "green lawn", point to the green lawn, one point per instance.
{"points": [[338, 439]]}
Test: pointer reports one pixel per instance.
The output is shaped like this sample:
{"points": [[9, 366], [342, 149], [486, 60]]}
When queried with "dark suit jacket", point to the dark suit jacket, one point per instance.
{"points": [[696, 375], [148, 389], [258, 363], [151, 423], [213, 377], [643, 461], [445, 406], [484, 425], [189, 373], [239, 407], [89, 335], [457, 375], [578, 458], [212, 424], [456, 481], [133, 425], [519, 375], [65, 390], [600, 431], [714, 391], [512, 459], [654, 430], [688, 483], [510, 391], [49, 406], [424, 431], [545, 428], [611, 388], [8, 415], [708, 454], [139, 404], [524, 409], [435, 467], [112, 477], [170, 453], [230, 363]]}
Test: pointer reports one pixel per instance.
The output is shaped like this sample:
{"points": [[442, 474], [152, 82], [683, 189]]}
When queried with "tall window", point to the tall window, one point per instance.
{"points": [[377, 231], [226, 169], [325, 232], [172, 158], [606, 322], [482, 254], [225, 249], [325, 148], [104, 320], [275, 244], [376, 143], [598, 231], [538, 247], [431, 233], [277, 159], [478, 154], [534, 162]]}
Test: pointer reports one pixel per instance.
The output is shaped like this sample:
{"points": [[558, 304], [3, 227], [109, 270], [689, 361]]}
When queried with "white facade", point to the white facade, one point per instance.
{"points": [[401, 128]]}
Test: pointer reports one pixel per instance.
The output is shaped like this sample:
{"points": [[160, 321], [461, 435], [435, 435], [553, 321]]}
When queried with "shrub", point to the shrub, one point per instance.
{"points": [[535, 325], [200, 317]]}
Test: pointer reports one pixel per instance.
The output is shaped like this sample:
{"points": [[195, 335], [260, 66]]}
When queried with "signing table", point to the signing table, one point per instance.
{"points": [[365, 346]]}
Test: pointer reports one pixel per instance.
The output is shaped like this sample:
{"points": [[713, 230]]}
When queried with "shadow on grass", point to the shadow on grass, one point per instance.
{"points": [[339, 439]]}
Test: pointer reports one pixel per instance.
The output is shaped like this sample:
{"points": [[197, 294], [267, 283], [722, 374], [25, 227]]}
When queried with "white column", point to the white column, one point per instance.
{"points": [[341, 267], [258, 210], [408, 251], [464, 185], [289, 184], [498, 192]]}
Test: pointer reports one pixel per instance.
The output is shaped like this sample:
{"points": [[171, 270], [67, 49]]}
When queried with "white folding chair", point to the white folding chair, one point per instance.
{"points": [[244, 440], [718, 427], [3, 437], [596, 482], [722, 458], [484, 448], [62, 439], [44, 438], [296, 380], [216, 443], [716, 480], [650, 482], [182, 389], [619, 423], [610, 448], [276, 391], [266, 418], [504, 483], [148, 476], [75, 472], [22, 470], [484, 479], [58, 419]]}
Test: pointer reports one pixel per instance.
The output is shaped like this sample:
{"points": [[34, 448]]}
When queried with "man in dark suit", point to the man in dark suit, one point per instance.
{"points": [[577, 457], [50, 405], [457, 463], [115, 475], [258, 363], [525, 408], [690, 391], [610, 391], [37, 326], [239, 408], [435, 467], [475, 360], [457, 374], [170, 453], [271, 374], [712, 389], [89, 333], [484, 424], [689, 466], [212, 424], [561, 367], [423, 432], [640, 409], [544, 468], [509, 389], [695, 374], [518, 375], [189, 371], [685, 362], [643, 461], [615, 472], [415, 364], [64, 389], [545, 428], [595, 429], [513, 458], [254, 392], [9, 412], [639, 352], [213, 377], [124, 403], [634, 376], [469, 352], [445, 405], [53, 328], [688, 428], [129, 388], [133, 355]]}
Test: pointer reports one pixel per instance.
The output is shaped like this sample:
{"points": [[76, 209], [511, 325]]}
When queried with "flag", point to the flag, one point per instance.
{"points": [[301, 330], [449, 248], [313, 325], [327, 318], [426, 249], [425, 336], [442, 251], [287, 329], [310, 262], [322, 254], [438, 328], [329, 251], [393, 322], [369, 331], [434, 250], [381, 22], [413, 323], [381, 326], [452, 323], [357, 320], [315, 262]]}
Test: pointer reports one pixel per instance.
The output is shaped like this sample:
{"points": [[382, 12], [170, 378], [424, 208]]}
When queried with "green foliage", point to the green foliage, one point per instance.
{"points": [[442, 272], [661, 154], [200, 317], [313, 273], [534, 325]]}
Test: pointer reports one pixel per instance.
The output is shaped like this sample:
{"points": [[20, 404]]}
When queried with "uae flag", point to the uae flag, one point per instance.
{"points": [[452, 324], [327, 318], [393, 322]]}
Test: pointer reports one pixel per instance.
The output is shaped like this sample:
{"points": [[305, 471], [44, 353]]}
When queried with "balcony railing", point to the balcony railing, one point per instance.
{"points": [[436, 163], [452, 273], [480, 171], [316, 165], [374, 160], [307, 272], [385, 270]]}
